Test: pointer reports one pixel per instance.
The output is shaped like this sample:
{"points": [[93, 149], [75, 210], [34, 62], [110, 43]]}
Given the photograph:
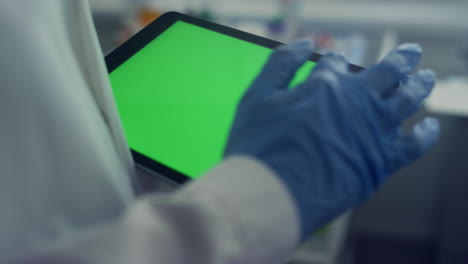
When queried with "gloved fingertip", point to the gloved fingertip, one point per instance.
{"points": [[395, 66], [427, 132], [334, 55], [301, 49], [410, 47], [430, 123], [300, 43], [427, 75], [404, 58], [335, 60], [283, 63], [343, 55], [417, 143]]}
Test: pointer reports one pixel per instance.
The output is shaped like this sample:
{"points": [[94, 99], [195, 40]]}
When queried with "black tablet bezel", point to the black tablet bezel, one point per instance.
{"points": [[148, 34]]}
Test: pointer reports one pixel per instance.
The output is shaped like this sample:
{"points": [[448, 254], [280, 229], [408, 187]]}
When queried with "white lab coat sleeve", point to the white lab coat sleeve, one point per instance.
{"points": [[64, 162], [239, 212]]}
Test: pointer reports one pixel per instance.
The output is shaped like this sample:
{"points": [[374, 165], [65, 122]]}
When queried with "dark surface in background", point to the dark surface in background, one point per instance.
{"points": [[394, 251], [421, 214], [453, 236]]}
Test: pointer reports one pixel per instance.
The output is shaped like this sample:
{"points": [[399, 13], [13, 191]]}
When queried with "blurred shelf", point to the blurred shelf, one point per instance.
{"points": [[440, 16], [428, 16], [420, 15]]}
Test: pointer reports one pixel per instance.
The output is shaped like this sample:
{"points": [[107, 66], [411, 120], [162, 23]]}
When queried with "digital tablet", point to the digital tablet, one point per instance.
{"points": [[177, 84]]}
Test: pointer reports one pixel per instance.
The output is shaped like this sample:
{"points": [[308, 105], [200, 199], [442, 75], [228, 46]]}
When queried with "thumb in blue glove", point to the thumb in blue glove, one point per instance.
{"points": [[335, 138]]}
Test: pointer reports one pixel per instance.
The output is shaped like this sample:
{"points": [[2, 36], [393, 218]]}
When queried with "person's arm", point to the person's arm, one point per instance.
{"points": [[239, 212]]}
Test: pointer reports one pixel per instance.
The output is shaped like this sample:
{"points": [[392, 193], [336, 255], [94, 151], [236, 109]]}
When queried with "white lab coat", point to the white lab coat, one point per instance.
{"points": [[66, 174]]}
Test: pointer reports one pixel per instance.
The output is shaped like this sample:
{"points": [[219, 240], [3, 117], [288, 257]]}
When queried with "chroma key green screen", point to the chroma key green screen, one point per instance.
{"points": [[177, 96]]}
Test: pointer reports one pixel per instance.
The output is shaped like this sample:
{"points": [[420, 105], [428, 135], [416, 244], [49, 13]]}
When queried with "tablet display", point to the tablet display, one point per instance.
{"points": [[177, 84]]}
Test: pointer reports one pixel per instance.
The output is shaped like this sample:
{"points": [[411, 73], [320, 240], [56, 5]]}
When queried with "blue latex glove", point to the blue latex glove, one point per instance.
{"points": [[335, 138]]}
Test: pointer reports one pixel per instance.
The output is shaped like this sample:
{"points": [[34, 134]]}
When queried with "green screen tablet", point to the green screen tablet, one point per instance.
{"points": [[177, 84]]}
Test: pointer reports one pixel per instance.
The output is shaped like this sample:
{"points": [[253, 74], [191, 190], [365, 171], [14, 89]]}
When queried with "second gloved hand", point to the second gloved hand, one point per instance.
{"points": [[334, 139]]}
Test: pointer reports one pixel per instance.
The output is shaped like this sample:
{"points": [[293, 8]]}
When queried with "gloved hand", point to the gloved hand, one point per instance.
{"points": [[335, 138]]}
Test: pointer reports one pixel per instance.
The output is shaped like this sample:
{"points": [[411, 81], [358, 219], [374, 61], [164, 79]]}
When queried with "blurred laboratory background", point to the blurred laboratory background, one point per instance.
{"points": [[421, 214]]}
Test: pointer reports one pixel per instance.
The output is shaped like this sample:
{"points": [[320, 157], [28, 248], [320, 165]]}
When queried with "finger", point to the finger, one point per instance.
{"points": [[386, 76], [415, 144], [409, 97], [332, 61], [324, 74], [281, 67]]}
